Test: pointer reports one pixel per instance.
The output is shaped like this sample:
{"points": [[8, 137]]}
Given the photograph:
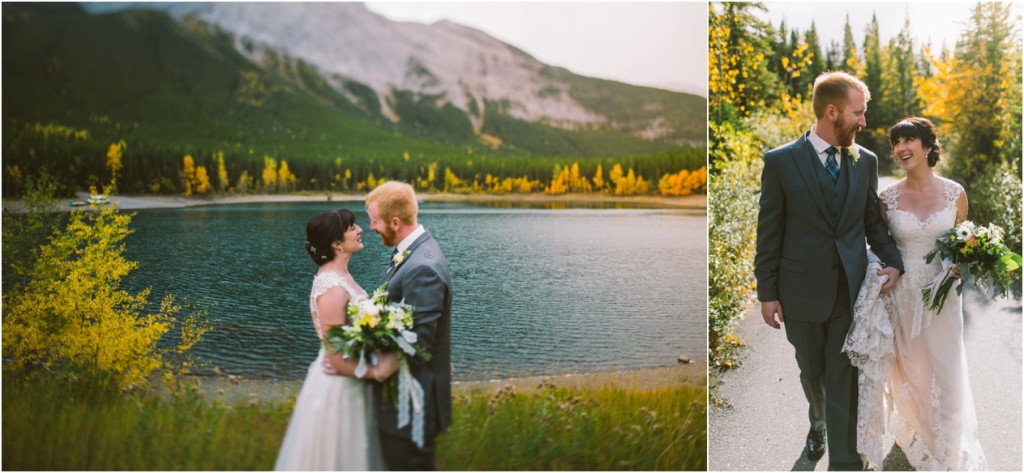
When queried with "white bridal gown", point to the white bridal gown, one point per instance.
{"points": [[925, 405], [333, 426]]}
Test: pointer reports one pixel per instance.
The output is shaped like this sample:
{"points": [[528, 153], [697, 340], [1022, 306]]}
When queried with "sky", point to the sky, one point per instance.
{"points": [[937, 21], [660, 45]]}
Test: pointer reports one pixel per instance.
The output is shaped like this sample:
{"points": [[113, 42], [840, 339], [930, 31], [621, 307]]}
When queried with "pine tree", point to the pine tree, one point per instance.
{"points": [[817, 61], [900, 100], [852, 61], [873, 69]]}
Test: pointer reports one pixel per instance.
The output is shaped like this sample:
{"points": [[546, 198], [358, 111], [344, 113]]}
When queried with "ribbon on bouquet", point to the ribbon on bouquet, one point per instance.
{"points": [[935, 293], [410, 397], [361, 367]]}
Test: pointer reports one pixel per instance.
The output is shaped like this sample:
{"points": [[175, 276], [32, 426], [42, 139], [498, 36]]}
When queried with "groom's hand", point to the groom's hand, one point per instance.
{"points": [[768, 311], [893, 274]]}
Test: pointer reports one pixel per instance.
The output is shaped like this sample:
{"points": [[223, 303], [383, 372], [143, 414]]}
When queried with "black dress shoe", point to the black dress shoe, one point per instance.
{"points": [[815, 444]]}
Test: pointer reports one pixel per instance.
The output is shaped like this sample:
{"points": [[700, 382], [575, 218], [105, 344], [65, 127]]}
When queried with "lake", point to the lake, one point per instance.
{"points": [[537, 290]]}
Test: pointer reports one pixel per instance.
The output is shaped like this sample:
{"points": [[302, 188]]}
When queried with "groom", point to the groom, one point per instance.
{"points": [[818, 203], [418, 274]]}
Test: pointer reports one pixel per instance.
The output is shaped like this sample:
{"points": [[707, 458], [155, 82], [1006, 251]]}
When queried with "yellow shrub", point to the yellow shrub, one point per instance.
{"points": [[73, 314]]}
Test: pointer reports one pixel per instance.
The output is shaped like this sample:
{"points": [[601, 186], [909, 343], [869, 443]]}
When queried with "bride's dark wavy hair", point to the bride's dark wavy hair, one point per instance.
{"points": [[919, 128], [324, 229]]}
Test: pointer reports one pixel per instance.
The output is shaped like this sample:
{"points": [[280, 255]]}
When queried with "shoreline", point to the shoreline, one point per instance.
{"points": [[238, 389], [145, 202]]}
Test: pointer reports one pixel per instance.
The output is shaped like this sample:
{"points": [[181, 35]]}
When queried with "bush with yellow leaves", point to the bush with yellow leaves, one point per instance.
{"points": [[73, 316]]}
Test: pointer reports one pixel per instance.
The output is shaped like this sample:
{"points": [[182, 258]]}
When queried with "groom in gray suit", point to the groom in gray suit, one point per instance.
{"points": [[818, 203], [418, 274]]}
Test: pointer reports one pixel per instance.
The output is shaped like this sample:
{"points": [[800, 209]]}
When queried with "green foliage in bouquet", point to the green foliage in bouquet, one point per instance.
{"points": [[979, 253], [377, 324]]}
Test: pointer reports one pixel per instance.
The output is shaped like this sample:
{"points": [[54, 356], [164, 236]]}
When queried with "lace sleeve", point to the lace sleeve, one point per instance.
{"points": [[952, 190], [888, 197], [321, 284]]}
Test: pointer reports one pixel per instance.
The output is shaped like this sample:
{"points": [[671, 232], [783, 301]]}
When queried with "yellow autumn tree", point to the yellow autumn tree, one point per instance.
{"points": [[285, 178], [598, 179], [577, 181], [683, 182], [559, 181], [202, 181], [269, 174], [223, 183], [431, 176], [615, 175], [74, 317], [114, 163], [451, 181], [188, 174]]}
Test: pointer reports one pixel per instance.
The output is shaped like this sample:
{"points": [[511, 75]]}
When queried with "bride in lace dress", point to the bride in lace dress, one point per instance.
{"points": [[921, 395], [333, 425]]}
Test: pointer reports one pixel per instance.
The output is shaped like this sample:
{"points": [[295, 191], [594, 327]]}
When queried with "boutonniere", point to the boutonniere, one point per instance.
{"points": [[399, 258], [854, 153]]}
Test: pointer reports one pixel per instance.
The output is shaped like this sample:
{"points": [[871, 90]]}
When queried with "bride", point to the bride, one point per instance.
{"points": [[917, 393], [333, 425]]}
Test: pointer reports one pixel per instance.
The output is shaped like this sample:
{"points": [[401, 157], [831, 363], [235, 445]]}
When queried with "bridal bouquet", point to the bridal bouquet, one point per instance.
{"points": [[980, 254], [376, 324]]}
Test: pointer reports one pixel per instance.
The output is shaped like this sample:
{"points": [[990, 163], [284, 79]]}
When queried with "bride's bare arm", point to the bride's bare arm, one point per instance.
{"points": [[333, 305], [961, 207]]}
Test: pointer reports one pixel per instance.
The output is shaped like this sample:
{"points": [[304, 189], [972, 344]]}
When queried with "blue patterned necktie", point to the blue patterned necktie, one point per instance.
{"points": [[831, 165], [391, 262]]}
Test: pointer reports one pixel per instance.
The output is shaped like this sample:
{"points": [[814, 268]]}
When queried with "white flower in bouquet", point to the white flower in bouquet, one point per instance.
{"points": [[369, 307]]}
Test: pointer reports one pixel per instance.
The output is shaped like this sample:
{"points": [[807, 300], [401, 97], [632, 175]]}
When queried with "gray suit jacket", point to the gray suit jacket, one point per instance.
{"points": [[797, 240], [423, 281]]}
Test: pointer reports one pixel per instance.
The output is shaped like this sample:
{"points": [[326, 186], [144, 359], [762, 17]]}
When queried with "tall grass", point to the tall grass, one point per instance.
{"points": [[602, 428], [51, 424], [56, 424]]}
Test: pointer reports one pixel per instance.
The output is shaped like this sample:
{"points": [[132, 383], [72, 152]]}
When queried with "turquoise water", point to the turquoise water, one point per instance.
{"points": [[536, 290]]}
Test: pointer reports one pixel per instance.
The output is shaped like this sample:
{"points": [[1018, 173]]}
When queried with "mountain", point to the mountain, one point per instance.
{"points": [[444, 63], [168, 85]]}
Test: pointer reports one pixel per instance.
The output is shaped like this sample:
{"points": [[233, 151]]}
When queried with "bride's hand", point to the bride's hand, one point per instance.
{"points": [[955, 272], [387, 364], [328, 367]]}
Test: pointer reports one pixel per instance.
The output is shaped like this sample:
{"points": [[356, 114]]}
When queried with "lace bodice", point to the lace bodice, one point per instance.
{"points": [[916, 237], [321, 284]]}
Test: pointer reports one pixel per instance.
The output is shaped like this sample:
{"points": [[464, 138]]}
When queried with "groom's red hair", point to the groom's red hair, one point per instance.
{"points": [[834, 88], [395, 199]]}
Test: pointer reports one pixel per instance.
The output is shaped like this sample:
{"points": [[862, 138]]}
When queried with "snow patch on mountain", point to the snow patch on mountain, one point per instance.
{"points": [[457, 63]]}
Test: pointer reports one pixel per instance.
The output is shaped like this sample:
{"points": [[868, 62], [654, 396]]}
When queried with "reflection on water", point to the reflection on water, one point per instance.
{"points": [[536, 290]]}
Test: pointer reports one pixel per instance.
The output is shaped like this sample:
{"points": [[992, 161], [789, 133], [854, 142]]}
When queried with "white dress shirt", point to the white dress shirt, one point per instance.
{"points": [[820, 145], [408, 240]]}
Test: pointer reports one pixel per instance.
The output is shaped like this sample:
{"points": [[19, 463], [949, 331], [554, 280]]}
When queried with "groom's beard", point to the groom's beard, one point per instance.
{"points": [[387, 238], [845, 133]]}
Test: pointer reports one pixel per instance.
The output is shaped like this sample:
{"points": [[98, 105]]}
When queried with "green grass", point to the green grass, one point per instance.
{"points": [[604, 428], [56, 424], [51, 424]]}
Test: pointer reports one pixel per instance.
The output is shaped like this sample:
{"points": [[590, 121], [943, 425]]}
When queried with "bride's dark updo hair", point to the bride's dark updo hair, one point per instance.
{"points": [[325, 228], [922, 129]]}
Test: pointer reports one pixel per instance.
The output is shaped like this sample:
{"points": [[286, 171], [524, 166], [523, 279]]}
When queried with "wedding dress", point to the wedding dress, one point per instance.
{"points": [[333, 426], [915, 390]]}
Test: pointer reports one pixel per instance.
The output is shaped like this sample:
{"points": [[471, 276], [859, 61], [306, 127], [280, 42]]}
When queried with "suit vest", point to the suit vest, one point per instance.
{"points": [[833, 193], [835, 197]]}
